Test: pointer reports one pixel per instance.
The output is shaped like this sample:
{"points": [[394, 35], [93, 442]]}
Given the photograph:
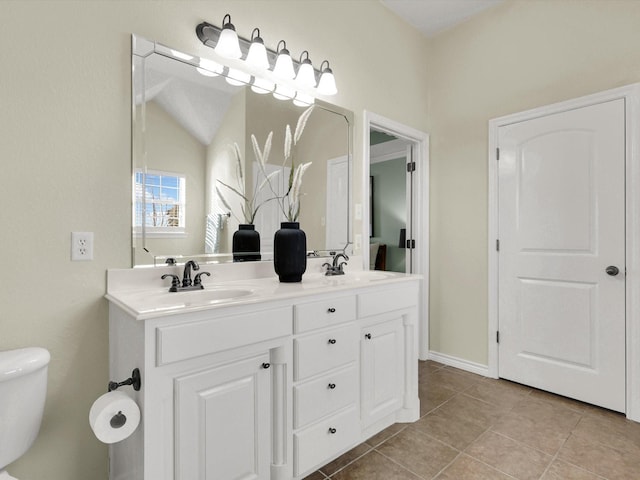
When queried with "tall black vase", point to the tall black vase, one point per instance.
{"points": [[290, 252], [246, 244]]}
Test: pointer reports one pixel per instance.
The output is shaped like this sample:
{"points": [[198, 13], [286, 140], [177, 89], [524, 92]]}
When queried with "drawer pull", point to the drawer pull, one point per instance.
{"points": [[332, 341], [331, 386], [266, 365], [331, 310], [332, 430], [368, 336]]}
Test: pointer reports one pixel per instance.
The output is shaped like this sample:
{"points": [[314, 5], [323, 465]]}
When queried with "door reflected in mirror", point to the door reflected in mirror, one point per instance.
{"points": [[196, 173]]}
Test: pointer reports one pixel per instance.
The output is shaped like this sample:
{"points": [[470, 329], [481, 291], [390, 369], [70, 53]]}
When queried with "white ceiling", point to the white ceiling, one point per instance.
{"points": [[434, 16]]}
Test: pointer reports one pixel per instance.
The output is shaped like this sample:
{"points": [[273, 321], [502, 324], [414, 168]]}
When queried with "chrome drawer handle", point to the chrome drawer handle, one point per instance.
{"points": [[332, 341], [332, 310], [332, 386], [332, 430]]}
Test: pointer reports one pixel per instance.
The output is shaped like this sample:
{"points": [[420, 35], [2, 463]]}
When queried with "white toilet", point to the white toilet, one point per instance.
{"points": [[23, 388]]}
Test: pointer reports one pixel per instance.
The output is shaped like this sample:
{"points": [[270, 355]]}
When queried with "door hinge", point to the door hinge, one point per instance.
{"points": [[411, 167], [498, 336], [411, 244], [497, 245], [497, 153]]}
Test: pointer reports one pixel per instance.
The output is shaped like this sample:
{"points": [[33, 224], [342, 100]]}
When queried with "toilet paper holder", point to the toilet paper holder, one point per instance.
{"points": [[135, 381]]}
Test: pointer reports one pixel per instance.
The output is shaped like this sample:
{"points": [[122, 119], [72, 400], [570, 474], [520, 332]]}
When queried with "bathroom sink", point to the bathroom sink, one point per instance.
{"points": [[163, 301], [206, 296]]}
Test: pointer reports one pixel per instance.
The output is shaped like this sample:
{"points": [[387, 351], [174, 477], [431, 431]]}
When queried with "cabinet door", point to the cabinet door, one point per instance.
{"points": [[382, 370], [223, 422]]}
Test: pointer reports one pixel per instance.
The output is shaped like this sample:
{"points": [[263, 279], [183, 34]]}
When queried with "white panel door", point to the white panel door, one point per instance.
{"points": [[223, 422], [562, 224], [337, 218], [382, 370]]}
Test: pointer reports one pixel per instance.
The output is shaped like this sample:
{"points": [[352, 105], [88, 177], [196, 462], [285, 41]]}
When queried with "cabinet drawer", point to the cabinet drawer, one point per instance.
{"points": [[324, 351], [329, 393], [189, 340], [314, 445], [312, 315], [374, 303]]}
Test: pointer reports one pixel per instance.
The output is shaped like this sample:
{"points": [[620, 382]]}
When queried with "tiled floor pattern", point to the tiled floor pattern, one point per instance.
{"points": [[475, 428]]}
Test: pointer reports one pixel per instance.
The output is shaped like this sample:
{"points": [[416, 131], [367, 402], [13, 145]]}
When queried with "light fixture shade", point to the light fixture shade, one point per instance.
{"points": [[327, 83], [262, 85], [284, 64], [257, 56], [228, 45], [283, 92], [306, 76], [303, 100], [237, 78], [209, 68]]}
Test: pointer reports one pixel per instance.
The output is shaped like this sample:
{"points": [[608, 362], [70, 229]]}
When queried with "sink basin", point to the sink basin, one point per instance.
{"points": [[206, 296], [164, 301]]}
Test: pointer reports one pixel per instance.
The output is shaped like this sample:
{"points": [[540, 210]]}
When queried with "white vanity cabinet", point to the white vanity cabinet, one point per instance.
{"points": [[214, 393], [270, 389]]}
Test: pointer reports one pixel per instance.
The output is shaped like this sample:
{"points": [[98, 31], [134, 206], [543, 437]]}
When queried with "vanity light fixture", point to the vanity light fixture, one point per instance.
{"points": [[257, 56], [209, 68], [303, 100], [249, 62], [284, 64], [228, 45], [306, 76], [327, 84]]}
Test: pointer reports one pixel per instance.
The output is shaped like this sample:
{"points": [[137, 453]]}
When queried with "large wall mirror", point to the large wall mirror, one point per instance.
{"points": [[192, 138]]}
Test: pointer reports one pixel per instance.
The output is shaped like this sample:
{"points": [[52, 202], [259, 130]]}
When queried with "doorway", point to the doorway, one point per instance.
{"points": [[563, 193], [398, 208]]}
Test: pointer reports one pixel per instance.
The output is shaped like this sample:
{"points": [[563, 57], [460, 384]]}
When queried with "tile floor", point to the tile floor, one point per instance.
{"points": [[475, 428]]}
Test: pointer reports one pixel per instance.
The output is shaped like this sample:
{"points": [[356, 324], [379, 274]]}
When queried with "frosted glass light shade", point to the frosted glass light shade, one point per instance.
{"points": [[327, 83], [209, 68], [306, 76], [228, 45], [303, 100], [237, 78], [283, 92], [284, 65], [262, 85], [257, 56]]}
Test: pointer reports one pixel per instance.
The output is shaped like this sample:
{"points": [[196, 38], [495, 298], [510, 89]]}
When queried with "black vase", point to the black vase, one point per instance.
{"points": [[246, 244], [290, 252]]}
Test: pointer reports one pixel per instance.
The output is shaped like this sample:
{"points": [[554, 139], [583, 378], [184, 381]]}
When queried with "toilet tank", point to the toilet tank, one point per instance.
{"points": [[23, 389]]}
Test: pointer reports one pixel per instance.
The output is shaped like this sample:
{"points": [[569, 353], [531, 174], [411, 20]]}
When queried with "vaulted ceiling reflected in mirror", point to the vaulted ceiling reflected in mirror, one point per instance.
{"points": [[193, 156]]}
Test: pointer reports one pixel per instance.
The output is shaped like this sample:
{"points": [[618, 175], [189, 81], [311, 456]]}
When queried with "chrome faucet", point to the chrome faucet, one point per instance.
{"points": [[187, 283], [336, 268]]}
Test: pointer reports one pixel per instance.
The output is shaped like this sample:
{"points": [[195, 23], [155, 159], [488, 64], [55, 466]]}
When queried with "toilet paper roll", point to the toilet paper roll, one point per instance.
{"points": [[114, 416]]}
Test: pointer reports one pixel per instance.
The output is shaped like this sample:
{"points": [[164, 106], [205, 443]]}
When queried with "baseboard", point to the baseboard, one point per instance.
{"points": [[460, 363]]}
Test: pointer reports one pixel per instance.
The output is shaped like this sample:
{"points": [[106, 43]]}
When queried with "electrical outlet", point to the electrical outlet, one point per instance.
{"points": [[358, 211], [81, 246], [358, 243]]}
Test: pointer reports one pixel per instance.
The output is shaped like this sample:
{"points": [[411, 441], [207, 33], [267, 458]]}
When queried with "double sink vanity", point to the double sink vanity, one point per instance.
{"points": [[250, 378]]}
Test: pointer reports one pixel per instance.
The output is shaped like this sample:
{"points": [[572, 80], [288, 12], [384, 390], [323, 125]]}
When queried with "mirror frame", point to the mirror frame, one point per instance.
{"points": [[142, 47]]}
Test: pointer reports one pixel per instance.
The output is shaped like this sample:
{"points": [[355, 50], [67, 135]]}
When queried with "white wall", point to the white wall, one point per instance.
{"points": [[520, 55], [66, 165]]}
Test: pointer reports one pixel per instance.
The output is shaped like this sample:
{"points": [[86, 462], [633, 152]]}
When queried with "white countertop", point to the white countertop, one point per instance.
{"points": [[143, 301]]}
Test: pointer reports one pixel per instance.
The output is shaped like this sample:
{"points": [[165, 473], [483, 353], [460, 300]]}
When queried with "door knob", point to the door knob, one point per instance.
{"points": [[612, 270]]}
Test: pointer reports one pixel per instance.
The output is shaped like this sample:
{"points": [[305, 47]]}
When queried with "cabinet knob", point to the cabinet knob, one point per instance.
{"points": [[331, 310], [368, 336], [332, 386], [332, 341], [266, 365], [332, 430]]}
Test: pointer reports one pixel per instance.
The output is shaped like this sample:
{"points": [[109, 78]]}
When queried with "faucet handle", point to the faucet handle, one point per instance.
{"points": [[175, 281], [198, 281]]}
